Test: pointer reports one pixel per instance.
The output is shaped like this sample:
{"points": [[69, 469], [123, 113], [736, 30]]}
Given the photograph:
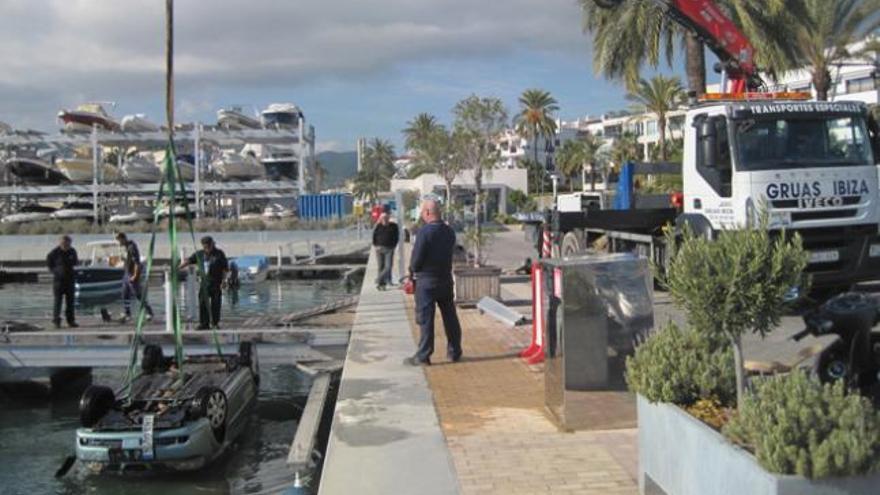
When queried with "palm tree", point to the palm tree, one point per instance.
{"points": [[823, 31], [377, 170], [591, 145], [629, 34], [432, 147], [535, 118], [625, 148], [570, 159], [659, 96]]}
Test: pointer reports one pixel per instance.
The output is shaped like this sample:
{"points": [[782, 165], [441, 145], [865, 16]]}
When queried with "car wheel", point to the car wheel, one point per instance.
{"points": [[152, 359], [210, 403], [95, 402]]}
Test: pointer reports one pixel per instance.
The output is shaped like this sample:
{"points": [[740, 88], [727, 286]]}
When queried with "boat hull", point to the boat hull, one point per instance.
{"points": [[35, 171], [81, 170], [91, 282]]}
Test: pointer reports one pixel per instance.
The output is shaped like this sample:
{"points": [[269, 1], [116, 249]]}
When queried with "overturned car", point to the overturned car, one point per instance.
{"points": [[167, 419]]}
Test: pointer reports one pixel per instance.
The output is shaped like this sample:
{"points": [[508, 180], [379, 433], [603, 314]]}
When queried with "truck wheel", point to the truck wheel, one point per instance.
{"points": [[608, 4], [210, 403], [571, 244], [152, 359], [95, 402], [832, 364]]}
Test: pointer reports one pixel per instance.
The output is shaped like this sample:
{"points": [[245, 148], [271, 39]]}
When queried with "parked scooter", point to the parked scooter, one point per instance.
{"points": [[855, 356]]}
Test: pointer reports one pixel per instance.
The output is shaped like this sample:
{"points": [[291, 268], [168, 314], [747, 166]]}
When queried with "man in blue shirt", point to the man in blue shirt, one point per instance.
{"points": [[431, 263]]}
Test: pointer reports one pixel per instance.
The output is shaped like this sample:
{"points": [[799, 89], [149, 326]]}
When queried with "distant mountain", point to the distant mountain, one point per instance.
{"points": [[340, 166]]}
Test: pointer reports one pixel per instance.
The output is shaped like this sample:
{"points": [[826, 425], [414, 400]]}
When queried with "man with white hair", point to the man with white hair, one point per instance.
{"points": [[385, 238], [431, 263]]}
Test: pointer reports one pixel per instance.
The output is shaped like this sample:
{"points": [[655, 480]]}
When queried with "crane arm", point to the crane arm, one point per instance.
{"points": [[718, 32]]}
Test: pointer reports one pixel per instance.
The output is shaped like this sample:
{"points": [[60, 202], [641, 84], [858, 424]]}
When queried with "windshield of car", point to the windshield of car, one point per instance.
{"points": [[800, 142]]}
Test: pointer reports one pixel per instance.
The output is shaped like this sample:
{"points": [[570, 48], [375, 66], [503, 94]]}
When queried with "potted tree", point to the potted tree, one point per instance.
{"points": [[701, 428], [477, 122]]}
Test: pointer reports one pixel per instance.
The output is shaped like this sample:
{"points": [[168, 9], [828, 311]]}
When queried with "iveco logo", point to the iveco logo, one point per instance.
{"points": [[820, 202]]}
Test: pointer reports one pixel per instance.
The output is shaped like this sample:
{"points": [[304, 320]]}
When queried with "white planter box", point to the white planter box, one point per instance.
{"points": [[680, 455], [473, 284]]}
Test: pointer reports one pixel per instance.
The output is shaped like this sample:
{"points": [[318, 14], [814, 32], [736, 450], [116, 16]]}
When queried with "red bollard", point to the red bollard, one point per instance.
{"points": [[534, 353]]}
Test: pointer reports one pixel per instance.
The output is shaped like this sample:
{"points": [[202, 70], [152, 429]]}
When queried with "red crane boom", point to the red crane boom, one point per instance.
{"points": [[719, 33]]}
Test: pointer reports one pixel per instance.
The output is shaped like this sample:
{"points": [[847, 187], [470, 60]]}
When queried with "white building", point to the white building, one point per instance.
{"points": [[497, 184], [516, 149]]}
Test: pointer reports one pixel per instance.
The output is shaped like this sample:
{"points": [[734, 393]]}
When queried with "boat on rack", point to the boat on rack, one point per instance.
{"points": [[100, 274], [238, 166], [139, 168], [75, 210], [79, 167], [184, 164], [233, 118], [32, 170], [137, 123], [5, 128], [131, 215], [281, 116], [29, 213], [168, 419], [87, 115], [276, 211], [280, 162]]}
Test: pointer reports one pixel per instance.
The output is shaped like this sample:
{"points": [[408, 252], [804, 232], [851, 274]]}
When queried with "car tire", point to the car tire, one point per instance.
{"points": [[832, 364], [211, 403], [152, 359], [247, 356], [95, 402]]}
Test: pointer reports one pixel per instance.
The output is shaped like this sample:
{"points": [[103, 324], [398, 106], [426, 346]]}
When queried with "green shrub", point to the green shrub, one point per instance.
{"points": [[682, 366], [796, 425]]}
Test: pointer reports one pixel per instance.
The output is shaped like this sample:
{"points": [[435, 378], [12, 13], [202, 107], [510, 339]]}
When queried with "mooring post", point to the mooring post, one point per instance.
{"points": [[192, 295], [169, 301], [278, 254]]}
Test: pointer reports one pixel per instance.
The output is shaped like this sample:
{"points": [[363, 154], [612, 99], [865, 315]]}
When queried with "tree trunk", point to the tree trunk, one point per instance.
{"points": [[478, 200], [661, 129], [449, 197], [539, 166], [822, 83], [695, 55], [740, 371]]}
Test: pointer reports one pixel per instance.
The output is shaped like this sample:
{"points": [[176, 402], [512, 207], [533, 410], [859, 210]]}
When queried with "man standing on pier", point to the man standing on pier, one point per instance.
{"points": [[213, 262], [431, 262], [62, 262], [131, 279], [385, 238]]}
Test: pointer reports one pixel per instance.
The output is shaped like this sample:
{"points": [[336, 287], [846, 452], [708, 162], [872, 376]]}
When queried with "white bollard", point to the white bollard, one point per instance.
{"points": [[192, 294], [278, 255], [169, 318]]}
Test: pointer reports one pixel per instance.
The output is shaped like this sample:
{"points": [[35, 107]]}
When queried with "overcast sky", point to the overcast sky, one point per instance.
{"points": [[356, 67]]}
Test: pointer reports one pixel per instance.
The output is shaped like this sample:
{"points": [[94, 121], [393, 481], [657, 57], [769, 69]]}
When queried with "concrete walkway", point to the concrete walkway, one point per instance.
{"points": [[385, 438]]}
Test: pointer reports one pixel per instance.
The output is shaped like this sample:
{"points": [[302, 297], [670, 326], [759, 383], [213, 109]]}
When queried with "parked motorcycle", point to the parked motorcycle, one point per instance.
{"points": [[855, 356]]}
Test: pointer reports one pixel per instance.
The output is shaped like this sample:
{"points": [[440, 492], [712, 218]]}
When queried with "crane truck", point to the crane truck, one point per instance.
{"points": [[811, 166]]}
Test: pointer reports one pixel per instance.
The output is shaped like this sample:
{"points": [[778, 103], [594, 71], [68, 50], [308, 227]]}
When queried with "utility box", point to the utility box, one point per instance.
{"points": [[596, 309]]}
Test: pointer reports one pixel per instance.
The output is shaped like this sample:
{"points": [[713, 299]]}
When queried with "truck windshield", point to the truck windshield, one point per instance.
{"points": [[801, 142]]}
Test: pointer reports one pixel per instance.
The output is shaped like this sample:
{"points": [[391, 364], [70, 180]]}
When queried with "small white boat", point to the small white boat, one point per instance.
{"points": [[281, 116], [138, 123], [29, 214], [277, 211], [80, 168], [249, 269], [235, 166], [138, 168], [233, 118], [178, 210], [132, 215], [83, 117], [74, 211], [101, 274]]}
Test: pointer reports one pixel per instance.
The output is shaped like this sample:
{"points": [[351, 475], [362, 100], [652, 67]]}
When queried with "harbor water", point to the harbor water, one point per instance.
{"points": [[36, 435]]}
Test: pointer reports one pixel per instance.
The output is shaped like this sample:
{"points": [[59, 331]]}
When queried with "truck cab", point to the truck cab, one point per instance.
{"points": [[811, 166]]}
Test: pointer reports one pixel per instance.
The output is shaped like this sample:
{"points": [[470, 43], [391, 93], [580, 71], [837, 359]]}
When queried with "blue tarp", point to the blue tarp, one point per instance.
{"points": [[623, 198]]}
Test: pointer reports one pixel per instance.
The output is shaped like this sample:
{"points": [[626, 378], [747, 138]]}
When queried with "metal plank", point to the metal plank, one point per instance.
{"points": [[500, 312], [300, 455], [117, 356]]}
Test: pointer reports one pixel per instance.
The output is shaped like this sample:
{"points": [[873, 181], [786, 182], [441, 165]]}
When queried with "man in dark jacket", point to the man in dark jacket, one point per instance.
{"points": [[131, 279], [61, 262], [431, 263], [214, 266], [385, 239]]}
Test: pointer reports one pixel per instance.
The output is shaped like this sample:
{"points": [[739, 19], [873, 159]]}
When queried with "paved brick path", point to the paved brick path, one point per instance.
{"points": [[491, 409]]}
